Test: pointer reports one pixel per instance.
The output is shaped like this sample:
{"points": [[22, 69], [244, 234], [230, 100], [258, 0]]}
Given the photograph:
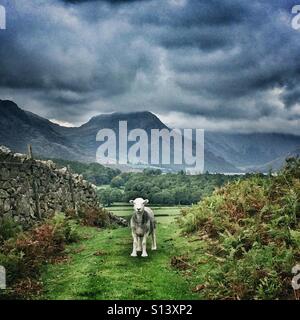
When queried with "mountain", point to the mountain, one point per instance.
{"points": [[224, 152], [85, 135], [253, 149], [277, 163], [18, 128]]}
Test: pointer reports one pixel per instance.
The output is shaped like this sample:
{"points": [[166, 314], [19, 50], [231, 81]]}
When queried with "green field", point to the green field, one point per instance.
{"points": [[100, 266], [125, 210]]}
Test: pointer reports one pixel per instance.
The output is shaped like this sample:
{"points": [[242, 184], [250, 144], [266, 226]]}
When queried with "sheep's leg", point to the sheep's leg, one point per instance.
{"points": [[154, 240], [144, 245], [139, 244], [134, 246]]}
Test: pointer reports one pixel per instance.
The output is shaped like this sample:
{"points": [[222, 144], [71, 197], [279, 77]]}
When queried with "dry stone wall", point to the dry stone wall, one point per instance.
{"points": [[33, 189]]}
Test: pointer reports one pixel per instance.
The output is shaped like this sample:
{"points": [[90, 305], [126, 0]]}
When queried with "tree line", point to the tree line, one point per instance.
{"points": [[164, 189]]}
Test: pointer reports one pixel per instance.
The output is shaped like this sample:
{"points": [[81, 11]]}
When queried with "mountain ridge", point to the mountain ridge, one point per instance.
{"points": [[231, 152]]}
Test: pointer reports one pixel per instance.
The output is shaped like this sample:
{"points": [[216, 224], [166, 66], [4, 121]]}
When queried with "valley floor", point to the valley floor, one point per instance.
{"points": [[100, 266]]}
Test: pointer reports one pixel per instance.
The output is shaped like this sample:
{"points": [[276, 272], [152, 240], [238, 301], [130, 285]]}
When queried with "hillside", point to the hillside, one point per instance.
{"points": [[19, 128], [278, 163], [250, 232], [251, 149]]}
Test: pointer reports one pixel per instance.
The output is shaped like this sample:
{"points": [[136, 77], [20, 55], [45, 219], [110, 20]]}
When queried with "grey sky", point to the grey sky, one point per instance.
{"points": [[219, 65]]}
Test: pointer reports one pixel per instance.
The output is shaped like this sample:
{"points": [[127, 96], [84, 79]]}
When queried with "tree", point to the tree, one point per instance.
{"points": [[117, 182], [152, 172], [105, 196]]}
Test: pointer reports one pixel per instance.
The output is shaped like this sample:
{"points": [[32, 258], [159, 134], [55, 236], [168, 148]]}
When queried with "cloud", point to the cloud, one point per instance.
{"points": [[62, 123], [231, 63], [117, 2]]}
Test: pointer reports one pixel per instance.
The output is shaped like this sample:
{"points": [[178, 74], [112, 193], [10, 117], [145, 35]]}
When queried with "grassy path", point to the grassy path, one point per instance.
{"points": [[100, 267]]}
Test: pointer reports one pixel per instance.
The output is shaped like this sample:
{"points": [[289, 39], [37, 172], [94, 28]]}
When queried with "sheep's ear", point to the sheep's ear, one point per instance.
{"points": [[131, 201], [146, 201]]}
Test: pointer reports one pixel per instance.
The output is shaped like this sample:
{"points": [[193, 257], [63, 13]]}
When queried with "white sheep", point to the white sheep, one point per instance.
{"points": [[142, 225]]}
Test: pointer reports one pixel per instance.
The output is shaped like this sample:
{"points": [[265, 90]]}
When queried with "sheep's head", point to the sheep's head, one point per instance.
{"points": [[139, 204]]}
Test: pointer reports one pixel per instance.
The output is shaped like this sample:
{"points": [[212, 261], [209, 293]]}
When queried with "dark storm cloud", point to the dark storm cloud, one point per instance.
{"points": [[291, 97], [59, 55], [107, 1], [221, 61], [194, 13], [194, 37]]}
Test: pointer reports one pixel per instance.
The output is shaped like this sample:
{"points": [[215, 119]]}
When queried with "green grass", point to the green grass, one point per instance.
{"points": [[103, 186], [113, 274]]}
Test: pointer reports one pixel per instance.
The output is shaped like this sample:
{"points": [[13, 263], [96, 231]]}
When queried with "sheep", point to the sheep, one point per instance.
{"points": [[142, 225]]}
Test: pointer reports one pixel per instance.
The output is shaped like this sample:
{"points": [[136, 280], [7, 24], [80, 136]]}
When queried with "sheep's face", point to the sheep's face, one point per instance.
{"points": [[139, 204]]}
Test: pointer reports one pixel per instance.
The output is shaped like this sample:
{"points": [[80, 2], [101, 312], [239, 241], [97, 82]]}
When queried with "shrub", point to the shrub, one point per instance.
{"points": [[252, 226], [95, 217], [8, 229], [65, 228], [24, 254]]}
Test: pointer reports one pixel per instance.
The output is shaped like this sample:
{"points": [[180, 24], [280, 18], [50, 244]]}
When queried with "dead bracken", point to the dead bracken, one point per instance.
{"points": [[181, 263]]}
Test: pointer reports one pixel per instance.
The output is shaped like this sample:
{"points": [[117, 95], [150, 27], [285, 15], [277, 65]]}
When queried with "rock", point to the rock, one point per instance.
{"points": [[6, 185], [3, 194], [6, 205], [5, 150], [118, 220], [4, 174], [63, 170], [8, 215]]}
